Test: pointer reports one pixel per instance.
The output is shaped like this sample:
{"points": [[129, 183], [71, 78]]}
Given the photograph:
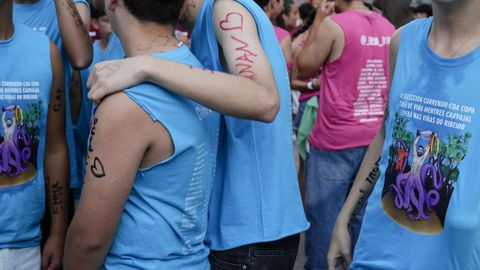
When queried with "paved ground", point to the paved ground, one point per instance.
{"points": [[301, 258]]}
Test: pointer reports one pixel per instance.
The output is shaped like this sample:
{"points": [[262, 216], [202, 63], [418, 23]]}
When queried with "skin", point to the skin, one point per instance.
{"points": [[454, 24], [56, 153], [253, 97], [104, 194], [73, 20], [291, 18]]}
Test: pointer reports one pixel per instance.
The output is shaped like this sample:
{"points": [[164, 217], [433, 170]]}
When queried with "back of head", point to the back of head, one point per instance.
{"points": [[398, 12], [425, 9], [305, 10], [262, 3], [159, 11]]}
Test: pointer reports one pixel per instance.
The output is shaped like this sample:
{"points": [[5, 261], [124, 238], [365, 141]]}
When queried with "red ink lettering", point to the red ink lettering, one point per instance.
{"points": [[233, 21]]}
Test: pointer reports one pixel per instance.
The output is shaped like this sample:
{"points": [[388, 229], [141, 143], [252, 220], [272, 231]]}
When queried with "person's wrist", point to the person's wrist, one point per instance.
{"points": [[146, 66]]}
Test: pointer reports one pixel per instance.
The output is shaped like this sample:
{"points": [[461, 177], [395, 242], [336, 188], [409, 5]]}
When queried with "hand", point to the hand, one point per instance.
{"points": [[339, 253], [110, 77], [52, 257], [325, 9]]}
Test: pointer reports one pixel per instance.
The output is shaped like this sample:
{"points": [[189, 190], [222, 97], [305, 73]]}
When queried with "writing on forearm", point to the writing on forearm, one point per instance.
{"points": [[72, 9], [233, 23], [96, 168], [57, 194], [59, 97], [364, 194]]}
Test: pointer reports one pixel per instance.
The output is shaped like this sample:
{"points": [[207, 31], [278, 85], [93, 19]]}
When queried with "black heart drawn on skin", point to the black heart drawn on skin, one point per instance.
{"points": [[97, 168], [233, 21]]}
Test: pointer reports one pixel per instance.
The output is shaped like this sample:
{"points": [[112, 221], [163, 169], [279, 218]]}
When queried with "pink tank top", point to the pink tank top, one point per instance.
{"points": [[354, 88]]}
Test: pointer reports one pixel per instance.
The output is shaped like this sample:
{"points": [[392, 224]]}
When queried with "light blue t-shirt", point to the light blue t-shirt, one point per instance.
{"points": [[164, 221], [25, 86], [81, 128], [256, 196], [42, 17], [424, 212]]}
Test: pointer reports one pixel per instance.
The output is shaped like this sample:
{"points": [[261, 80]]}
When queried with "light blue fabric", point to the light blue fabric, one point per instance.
{"points": [[42, 17], [114, 51], [25, 86], [256, 196], [424, 211], [164, 222]]}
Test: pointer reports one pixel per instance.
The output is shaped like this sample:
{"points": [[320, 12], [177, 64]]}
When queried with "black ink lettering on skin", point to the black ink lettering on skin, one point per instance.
{"points": [[90, 139], [72, 9], [371, 179], [57, 106], [57, 194]]}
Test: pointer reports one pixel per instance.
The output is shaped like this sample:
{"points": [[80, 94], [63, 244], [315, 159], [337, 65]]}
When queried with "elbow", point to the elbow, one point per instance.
{"points": [[84, 244], [270, 109], [81, 61]]}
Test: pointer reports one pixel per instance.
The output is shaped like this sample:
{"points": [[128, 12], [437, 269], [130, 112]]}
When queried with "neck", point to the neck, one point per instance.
{"points": [[139, 38], [104, 41], [455, 24], [355, 4], [6, 21]]}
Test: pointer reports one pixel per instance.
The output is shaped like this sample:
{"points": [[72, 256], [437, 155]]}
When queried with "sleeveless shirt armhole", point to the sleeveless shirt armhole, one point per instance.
{"points": [[155, 119]]}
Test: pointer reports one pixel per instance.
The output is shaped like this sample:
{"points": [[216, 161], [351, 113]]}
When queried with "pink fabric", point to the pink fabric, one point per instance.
{"points": [[354, 88], [281, 33]]}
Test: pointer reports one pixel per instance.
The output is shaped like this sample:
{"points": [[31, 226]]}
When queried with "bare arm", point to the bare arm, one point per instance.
{"points": [[249, 92], [74, 32], [113, 159], [56, 168], [320, 42], [362, 187]]}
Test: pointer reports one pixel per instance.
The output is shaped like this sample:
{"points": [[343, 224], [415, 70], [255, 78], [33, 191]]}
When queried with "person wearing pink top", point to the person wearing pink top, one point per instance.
{"points": [[352, 47]]}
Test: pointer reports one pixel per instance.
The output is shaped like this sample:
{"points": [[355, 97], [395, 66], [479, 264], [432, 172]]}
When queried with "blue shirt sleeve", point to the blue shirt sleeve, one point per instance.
{"points": [[85, 2]]}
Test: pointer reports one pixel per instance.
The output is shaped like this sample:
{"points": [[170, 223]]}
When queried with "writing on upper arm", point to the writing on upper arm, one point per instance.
{"points": [[244, 58], [96, 168], [72, 9]]}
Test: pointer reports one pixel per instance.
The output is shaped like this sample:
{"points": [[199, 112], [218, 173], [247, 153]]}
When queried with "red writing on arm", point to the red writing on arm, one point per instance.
{"points": [[244, 62], [233, 21]]}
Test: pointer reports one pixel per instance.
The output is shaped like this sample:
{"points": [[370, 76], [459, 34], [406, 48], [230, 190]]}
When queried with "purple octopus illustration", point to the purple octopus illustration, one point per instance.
{"points": [[15, 150], [418, 191]]}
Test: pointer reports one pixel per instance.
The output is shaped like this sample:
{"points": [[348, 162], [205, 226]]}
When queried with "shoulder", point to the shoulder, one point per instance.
{"points": [[118, 111]]}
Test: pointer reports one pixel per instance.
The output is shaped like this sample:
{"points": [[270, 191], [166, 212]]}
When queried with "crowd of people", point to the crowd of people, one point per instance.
{"points": [[211, 134]]}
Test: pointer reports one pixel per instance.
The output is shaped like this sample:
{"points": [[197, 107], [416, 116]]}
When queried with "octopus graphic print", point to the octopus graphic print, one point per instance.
{"points": [[19, 143], [423, 168]]}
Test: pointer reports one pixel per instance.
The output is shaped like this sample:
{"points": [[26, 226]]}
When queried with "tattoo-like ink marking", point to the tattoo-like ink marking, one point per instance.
{"points": [[57, 105], [57, 193], [160, 41], [72, 9], [90, 139], [371, 179], [233, 21], [97, 168], [244, 62]]}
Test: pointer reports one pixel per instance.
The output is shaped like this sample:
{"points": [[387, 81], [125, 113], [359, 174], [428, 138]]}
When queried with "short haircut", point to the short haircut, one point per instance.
{"points": [[159, 11], [262, 3]]}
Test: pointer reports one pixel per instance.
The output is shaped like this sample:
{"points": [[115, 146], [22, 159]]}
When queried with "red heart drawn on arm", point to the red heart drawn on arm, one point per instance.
{"points": [[233, 21]]}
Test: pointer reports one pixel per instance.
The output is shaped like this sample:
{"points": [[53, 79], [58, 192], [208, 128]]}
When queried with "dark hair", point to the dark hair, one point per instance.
{"points": [[287, 8], [424, 8], [159, 11], [95, 13], [307, 23], [305, 10], [398, 12], [262, 3]]}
